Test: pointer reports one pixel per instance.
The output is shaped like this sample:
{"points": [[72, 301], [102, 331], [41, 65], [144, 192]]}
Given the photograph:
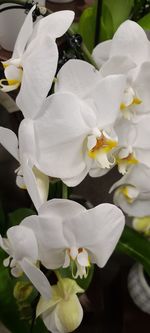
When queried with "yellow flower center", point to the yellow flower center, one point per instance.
{"points": [[135, 101], [103, 145], [130, 193], [125, 162]]}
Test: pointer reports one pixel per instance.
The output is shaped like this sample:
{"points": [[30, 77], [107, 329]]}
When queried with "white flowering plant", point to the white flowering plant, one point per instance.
{"points": [[83, 113]]}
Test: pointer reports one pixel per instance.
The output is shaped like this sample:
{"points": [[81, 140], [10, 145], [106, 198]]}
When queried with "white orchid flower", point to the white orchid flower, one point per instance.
{"points": [[22, 248], [63, 313], [133, 143], [86, 137], [129, 42], [68, 233], [23, 150], [128, 53], [133, 191], [34, 60]]}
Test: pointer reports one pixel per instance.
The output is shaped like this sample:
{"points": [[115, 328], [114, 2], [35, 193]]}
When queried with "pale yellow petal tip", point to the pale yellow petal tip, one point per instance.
{"points": [[142, 225]]}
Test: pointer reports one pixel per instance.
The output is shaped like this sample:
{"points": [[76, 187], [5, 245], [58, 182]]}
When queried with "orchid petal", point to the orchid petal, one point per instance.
{"points": [[13, 73], [141, 81], [51, 26], [64, 208], [101, 52], [137, 176], [23, 243], [9, 141], [39, 64], [36, 182], [130, 40], [104, 225], [24, 35], [138, 208], [44, 305], [66, 322], [60, 134], [49, 229], [107, 96], [74, 181], [117, 65], [37, 277], [76, 76]]}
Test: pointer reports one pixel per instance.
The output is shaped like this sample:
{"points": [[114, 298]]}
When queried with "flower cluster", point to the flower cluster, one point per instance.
{"points": [[94, 120]]}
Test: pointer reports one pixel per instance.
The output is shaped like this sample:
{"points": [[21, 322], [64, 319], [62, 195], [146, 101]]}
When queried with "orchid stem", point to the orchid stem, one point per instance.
{"points": [[64, 191], [85, 51], [58, 275]]}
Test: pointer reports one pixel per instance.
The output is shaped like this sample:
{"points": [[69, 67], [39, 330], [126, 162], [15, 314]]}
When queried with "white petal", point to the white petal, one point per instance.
{"points": [[60, 207], [36, 182], [37, 277], [117, 65], [13, 73], [137, 176], [97, 230], [126, 132], [16, 271], [48, 227], [74, 181], [60, 134], [56, 24], [24, 35], [39, 65], [137, 209], [6, 262], [141, 84], [101, 52], [83, 258], [130, 40], [107, 96], [9, 141], [76, 76], [23, 243]]}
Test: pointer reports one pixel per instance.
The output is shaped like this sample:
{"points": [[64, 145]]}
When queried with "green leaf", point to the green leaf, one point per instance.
{"points": [[144, 22], [87, 26], [136, 246], [19, 214], [113, 14], [75, 27]]}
